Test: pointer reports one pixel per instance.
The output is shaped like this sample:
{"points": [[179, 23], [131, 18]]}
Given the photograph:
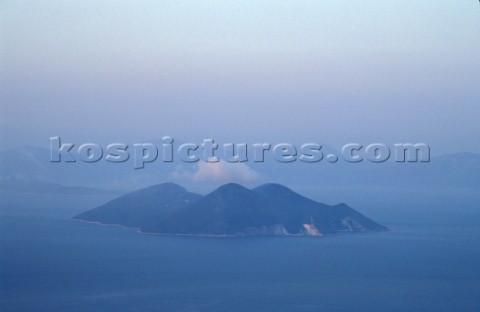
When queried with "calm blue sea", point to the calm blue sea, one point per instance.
{"points": [[50, 263]]}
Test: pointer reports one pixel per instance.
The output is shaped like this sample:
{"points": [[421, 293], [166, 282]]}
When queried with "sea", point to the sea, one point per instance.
{"points": [[429, 261]]}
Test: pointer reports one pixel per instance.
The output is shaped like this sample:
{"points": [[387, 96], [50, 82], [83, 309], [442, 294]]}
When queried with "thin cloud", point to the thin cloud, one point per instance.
{"points": [[225, 172]]}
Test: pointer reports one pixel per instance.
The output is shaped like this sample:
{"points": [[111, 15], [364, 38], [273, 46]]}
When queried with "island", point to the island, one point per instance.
{"points": [[230, 210]]}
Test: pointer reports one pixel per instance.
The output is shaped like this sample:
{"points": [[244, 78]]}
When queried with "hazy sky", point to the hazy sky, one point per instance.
{"points": [[324, 71]]}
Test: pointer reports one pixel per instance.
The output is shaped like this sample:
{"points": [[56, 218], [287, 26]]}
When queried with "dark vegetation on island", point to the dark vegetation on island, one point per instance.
{"points": [[230, 210]]}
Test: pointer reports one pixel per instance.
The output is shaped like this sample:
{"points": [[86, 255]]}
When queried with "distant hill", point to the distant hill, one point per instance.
{"points": [[33, 164], [143, 207], [30, 163], [327, 219], [232, 209], [42, 187]]}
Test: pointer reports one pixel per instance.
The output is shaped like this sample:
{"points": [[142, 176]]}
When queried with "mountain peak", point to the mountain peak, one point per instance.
{"points": [[163, 188], [231, 187], [272, 187], [169, 186]]}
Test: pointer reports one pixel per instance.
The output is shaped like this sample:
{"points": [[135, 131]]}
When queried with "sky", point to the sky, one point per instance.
{"points": [[332, 72]]}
